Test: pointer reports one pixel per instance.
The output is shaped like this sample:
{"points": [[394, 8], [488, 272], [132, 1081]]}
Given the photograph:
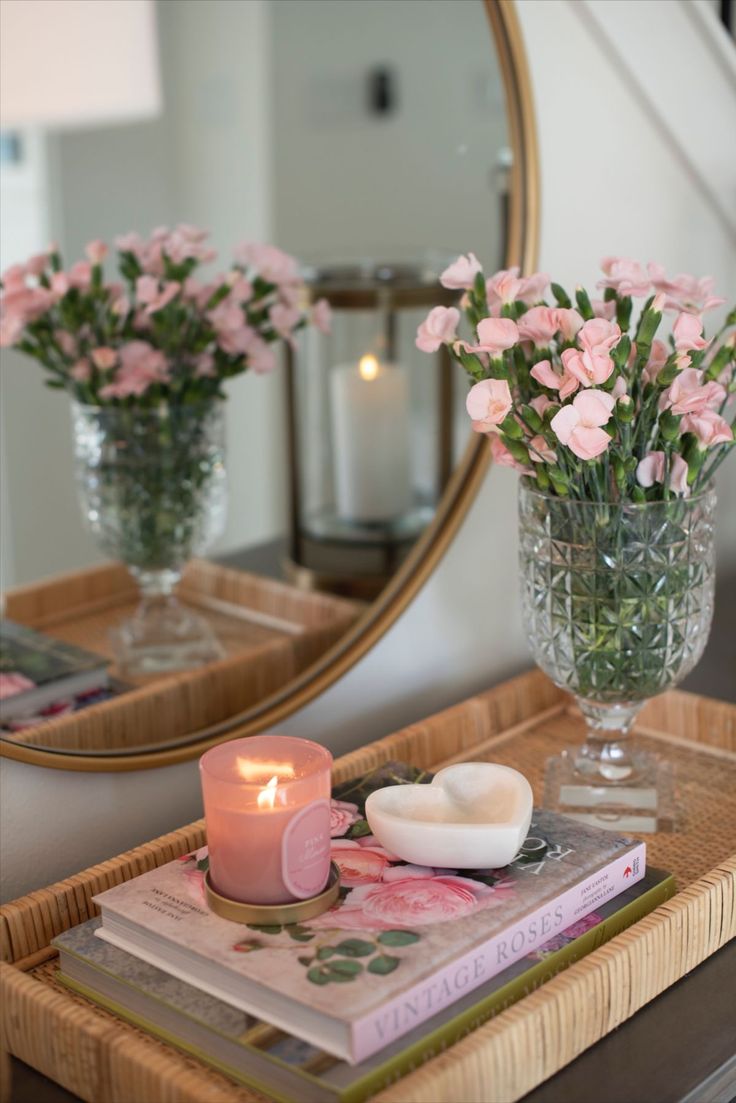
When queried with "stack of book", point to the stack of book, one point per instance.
{"points": [[42, 677], [410, 959]]}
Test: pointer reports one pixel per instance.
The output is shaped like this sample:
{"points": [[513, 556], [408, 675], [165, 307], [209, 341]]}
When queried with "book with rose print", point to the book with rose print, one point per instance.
{"points": [[403, 942], [290, 1070]]}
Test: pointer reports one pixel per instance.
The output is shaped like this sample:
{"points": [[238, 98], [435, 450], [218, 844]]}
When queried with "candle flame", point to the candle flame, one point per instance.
{"points": [[368, 367], [267, 796], [251, 770]]}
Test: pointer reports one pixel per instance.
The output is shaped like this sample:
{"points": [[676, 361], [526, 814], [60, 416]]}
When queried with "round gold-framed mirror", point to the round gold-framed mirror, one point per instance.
{"points": [[520, 238]]}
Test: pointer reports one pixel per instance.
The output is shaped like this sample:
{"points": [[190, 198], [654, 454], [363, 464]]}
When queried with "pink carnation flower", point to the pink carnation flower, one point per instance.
{"points": [[689, 395], [140, 366], [272, 264], [544, 373], [95, 251], [460, 275], [488, 403], [568, 322], [438, 328], [658, 356], [508, 286], [540, 451], [495, 335], [709, 428], [80, 275], [604, 308], [104, 358], [503, 288], [152, 296], [650, 470], [538, 325], [261, 358], [283, 319], [204, 367], [81, 372], [591, 364], [684, 292], [688, 333], [578, 425], [625, 276]]}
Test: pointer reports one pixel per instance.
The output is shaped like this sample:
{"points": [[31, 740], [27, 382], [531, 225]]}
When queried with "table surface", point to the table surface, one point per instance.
{"points": [[680, 1048]]}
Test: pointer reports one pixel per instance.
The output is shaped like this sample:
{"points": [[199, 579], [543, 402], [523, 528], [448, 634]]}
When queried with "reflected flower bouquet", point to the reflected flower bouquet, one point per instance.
{"points": [[161, 333], [585, 399]]}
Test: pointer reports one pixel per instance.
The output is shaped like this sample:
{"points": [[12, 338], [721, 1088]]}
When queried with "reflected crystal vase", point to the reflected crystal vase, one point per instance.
{"points": [[617, 603], [153, 491]]}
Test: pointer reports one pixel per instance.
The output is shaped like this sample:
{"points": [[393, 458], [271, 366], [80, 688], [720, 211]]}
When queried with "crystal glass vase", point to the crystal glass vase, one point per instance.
{"points": [[153, 490], [617, 603]]}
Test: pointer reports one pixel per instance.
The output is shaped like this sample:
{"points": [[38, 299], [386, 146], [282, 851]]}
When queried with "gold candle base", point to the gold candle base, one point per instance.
{"points": [[277, 914]]}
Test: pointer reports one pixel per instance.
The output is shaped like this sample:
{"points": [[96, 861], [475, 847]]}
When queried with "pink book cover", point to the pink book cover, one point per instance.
{"points": [[402, 943]]}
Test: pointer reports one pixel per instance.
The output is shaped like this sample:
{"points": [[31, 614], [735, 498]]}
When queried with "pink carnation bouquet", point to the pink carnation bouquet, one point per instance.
{"points": [[161, 332], [595, 399], [615, 410]]}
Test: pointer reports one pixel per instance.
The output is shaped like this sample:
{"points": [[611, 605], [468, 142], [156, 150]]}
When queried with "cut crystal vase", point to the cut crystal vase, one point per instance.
{"points": [[153, 491], [617, 603]]}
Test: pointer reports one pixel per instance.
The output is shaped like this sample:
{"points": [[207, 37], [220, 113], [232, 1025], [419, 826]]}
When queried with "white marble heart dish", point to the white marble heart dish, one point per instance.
{"points": [[474, 815]]}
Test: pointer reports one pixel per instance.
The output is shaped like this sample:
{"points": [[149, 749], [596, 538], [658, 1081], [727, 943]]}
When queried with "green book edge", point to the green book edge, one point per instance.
{"points": [[438, 1040]]}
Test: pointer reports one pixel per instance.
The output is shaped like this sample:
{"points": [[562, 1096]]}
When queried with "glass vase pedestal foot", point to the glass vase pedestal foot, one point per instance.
{"points": [[163, 636], [612, 785]]}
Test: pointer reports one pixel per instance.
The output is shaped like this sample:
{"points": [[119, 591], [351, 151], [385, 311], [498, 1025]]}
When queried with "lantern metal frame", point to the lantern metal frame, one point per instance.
{"points": [[385, 289]]}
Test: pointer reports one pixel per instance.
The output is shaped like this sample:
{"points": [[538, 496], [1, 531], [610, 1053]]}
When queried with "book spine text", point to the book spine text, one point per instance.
{"points": [[404, 1012]]}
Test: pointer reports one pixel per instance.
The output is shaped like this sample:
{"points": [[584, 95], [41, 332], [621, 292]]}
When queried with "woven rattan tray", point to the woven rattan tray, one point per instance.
{"points": [[519, 723], [270, 631]]}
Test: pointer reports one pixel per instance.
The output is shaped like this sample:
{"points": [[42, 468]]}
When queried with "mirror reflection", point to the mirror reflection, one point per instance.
{"points": [[346, 134]]}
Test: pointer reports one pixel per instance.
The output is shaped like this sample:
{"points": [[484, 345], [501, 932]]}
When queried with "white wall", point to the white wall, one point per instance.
{"points": [[391, 186], [463, 631]]}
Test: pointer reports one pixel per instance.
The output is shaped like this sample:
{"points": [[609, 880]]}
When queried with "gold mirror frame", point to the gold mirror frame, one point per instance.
{"points": [[522, 250]]}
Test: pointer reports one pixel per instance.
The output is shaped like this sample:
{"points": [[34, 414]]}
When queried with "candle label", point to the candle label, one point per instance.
{"points": [[305, 850]]}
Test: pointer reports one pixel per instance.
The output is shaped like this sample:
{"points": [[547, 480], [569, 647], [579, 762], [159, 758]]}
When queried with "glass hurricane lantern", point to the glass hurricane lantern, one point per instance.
{"points": [[617, 602], [152, 487]]}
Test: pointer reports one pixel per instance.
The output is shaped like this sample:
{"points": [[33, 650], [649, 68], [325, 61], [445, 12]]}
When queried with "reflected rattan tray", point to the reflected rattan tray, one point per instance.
{"points": [[519, 723], [270, 631]]}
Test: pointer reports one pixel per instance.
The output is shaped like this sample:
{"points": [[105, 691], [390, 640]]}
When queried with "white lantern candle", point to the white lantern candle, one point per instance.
{"points": [[370, 432]]}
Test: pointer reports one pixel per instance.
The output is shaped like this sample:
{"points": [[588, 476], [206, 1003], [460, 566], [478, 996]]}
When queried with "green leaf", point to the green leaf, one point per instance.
{"points": [[298, 936], [318, 975], [359, 829], [398, 938], [266, 928], [355, 947], [324, 952], [345, 967], [383, 964], [203, 864], [305, 960]]}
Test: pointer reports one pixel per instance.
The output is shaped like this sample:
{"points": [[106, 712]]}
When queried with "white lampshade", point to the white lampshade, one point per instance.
{"points": [[77, 62]]}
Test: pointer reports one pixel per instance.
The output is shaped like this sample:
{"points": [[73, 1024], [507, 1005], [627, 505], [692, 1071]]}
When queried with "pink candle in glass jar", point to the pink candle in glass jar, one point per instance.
{"points": [[267, 809]]}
